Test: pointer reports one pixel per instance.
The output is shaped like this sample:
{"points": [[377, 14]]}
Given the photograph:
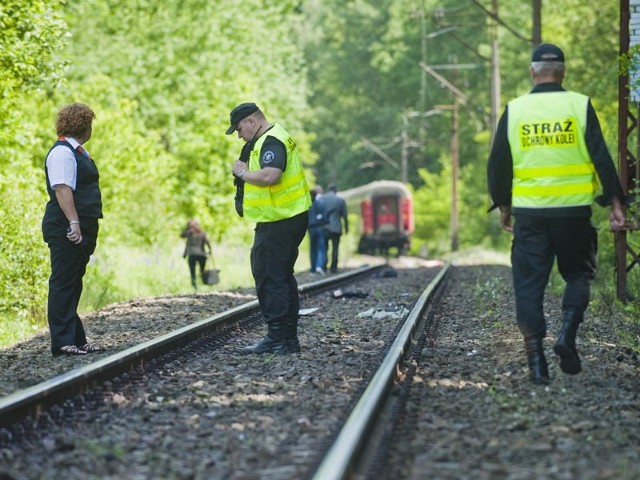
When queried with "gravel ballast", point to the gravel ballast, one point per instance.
{"points": [[471, 412]]}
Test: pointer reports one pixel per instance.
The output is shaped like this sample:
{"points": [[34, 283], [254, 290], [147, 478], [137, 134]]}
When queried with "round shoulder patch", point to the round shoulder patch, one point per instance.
{"points": [[268, 157]]}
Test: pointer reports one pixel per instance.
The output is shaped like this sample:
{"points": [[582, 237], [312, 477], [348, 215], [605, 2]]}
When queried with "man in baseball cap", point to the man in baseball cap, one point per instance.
{"points": [[239, 113], [547, 52], [547, 159]]}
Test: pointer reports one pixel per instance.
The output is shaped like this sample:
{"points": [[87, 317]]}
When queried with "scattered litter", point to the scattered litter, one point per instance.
{"points": [[348, 293], [386, 314], [394, 307], [391, 310], [307, 311], [367, 313]]}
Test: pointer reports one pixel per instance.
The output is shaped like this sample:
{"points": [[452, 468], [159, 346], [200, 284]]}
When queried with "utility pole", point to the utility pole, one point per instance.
{"points": [[422, 105], [458, 97], [628, 166], [455, 166], [495, 71], [536, 36], [406, 143], [404, 150]]}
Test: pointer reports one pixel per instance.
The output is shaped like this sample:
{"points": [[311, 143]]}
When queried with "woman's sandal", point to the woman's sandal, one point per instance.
{"points": [[89, 348], [69, 350]]}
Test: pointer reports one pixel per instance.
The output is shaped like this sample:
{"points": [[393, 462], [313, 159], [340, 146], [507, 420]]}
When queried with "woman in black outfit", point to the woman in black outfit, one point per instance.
{"points": [[70, 226]]}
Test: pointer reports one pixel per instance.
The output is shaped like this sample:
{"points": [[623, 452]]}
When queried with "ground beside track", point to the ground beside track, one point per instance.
{"points": [[477, 417], [472, 414]]}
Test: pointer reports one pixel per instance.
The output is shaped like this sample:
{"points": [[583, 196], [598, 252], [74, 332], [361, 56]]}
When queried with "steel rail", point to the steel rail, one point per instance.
{"points": [[339, 461], [31, 401]]}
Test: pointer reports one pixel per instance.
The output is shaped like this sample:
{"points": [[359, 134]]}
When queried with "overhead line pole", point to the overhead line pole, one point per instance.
{"points": [[495, 73], [627, 163], [536, 37], [458, 98]]}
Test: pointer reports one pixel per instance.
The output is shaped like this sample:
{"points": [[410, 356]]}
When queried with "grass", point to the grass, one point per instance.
{"points": [[15, 330], [120, 274], [479, 256], [117, 274]]}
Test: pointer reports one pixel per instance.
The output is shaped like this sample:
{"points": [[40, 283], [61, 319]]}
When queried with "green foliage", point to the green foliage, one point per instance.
{"points": [[23, 260], [31, 32], [183, 65], [628, 328], [364, 64], [486, 296], [118, 273], [14, 328], [625, 317], [432, 207]]}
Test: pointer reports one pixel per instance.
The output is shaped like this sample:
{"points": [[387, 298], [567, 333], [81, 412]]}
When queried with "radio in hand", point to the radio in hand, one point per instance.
{"points": [[238, 182]]}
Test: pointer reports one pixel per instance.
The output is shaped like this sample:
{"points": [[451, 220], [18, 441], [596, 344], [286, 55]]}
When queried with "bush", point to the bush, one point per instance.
{"points": [[24, 259]]}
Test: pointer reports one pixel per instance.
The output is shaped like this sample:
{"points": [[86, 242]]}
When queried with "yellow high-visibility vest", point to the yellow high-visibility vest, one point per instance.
{"points": [[287, 198], [551, 164]]}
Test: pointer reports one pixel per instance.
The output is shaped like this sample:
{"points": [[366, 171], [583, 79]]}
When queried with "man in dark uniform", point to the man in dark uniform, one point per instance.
{"points": [[547, 156], [276, 197]]}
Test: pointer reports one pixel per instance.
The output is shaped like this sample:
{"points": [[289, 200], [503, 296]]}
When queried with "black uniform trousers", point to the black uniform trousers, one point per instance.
{"points": [[273, 257], [537, 241], [68, 266]]}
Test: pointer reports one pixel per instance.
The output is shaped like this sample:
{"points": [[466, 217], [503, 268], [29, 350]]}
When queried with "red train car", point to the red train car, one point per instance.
{"points": [[386, 216]]}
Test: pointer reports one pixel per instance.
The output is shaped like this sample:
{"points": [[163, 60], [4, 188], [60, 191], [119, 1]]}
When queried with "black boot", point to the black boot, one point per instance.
{"points": [[565, 346], [538, 370], [292, 336], [274, 342]]}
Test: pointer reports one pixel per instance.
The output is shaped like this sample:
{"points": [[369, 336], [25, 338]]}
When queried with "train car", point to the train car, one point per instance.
{"points": [[386, 216]]}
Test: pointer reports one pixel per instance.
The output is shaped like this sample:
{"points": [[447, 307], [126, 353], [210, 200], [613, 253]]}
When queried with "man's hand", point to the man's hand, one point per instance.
{"points": [[617, 217], [239, 169], [505, 219]]}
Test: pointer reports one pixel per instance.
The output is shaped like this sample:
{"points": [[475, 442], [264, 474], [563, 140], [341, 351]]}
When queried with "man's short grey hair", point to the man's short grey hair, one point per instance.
{"points": [[555, 69]]}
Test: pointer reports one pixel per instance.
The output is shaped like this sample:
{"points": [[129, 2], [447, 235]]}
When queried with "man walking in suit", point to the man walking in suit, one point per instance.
{"points": [[336, 213]]}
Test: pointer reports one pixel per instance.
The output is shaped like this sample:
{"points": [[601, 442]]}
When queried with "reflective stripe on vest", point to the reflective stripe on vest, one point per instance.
{"points": [[551, 164], [287, 198]]}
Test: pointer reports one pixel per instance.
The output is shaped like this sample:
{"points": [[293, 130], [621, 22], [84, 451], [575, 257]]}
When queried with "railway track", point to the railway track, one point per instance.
{"points": [[34, 400], [365, 426], [438, 394], [62, 411]]}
